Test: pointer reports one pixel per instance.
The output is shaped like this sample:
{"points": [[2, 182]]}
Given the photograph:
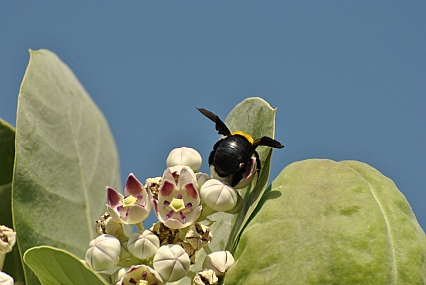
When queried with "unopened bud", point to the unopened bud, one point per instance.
{"points": [[171, 262], [219, 196], [5, 279], [143, 245], [184, 156], [103, 253], [219, 262]]}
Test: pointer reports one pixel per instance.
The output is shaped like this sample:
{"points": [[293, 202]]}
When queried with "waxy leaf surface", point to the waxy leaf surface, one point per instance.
{"points": [[257, 118], [326, 222], [65, 156], [54, 266]]}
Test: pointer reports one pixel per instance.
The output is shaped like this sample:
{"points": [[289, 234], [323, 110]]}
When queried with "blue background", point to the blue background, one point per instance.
{"points": [[348, 78]]}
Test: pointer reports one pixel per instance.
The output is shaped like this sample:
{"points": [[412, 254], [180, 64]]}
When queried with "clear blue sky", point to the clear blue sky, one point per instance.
{"points": [[348, 77]]}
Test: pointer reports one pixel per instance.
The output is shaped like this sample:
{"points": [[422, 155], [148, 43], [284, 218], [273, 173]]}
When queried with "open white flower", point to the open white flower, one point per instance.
{"points": [[141, 274], [132, 208], [178, 205]]}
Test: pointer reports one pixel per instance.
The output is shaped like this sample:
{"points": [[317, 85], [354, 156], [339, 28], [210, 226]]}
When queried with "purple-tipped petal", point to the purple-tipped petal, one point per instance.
{"points": [[186, 176], [191, 190], [114, 214], [133, 186], [137, 214], [114, 198], [167, 188], [168, 176]]}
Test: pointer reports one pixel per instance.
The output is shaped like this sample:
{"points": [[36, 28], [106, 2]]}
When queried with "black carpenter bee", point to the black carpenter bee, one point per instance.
{"points": [[231, 158]]}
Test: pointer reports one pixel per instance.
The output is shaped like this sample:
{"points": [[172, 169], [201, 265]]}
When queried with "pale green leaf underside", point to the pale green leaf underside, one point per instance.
{"points": [[65, 157], [55, 266], [255, 117], [326, 222]]}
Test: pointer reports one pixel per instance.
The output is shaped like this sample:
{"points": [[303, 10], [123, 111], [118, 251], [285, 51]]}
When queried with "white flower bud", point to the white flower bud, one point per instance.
{"points": [[143, 245], [237, 208], [103, 253], [201, 178], [184, 156], [171, 262], [7, 239], [218, 196], [5, 279], [219, 262]]}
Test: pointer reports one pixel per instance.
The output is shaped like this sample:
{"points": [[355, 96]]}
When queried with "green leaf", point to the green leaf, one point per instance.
{"points": [[255, 117], [325, 222], [54, 266], [13, 263], [65, 157]]}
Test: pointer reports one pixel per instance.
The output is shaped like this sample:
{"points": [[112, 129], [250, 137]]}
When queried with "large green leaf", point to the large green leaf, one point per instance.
{"points": [[65, 156], [55, 266], [325, 222], [255, 117], [12, 263]]}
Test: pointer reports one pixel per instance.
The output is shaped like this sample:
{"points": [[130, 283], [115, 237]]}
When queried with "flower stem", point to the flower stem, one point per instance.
{"points": [[190, 274], [140, 226], [2, 256], [207, 211], [207, 249]]}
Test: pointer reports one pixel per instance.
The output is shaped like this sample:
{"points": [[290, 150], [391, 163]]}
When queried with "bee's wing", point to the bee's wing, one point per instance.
{"points": [[268, 142], [221, 128]]}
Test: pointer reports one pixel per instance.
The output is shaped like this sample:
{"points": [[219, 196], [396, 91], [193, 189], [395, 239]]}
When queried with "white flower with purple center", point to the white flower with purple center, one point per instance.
{"points": [[141, 274], [132, 208], [178, 205]]}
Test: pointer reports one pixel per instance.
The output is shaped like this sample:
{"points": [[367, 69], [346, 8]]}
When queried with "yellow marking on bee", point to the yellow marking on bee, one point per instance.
{"points": [[247, 136]]}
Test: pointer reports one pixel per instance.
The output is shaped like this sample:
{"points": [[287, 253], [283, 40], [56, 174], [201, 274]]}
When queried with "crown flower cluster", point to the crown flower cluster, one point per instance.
{"points": [[181, 199]]}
